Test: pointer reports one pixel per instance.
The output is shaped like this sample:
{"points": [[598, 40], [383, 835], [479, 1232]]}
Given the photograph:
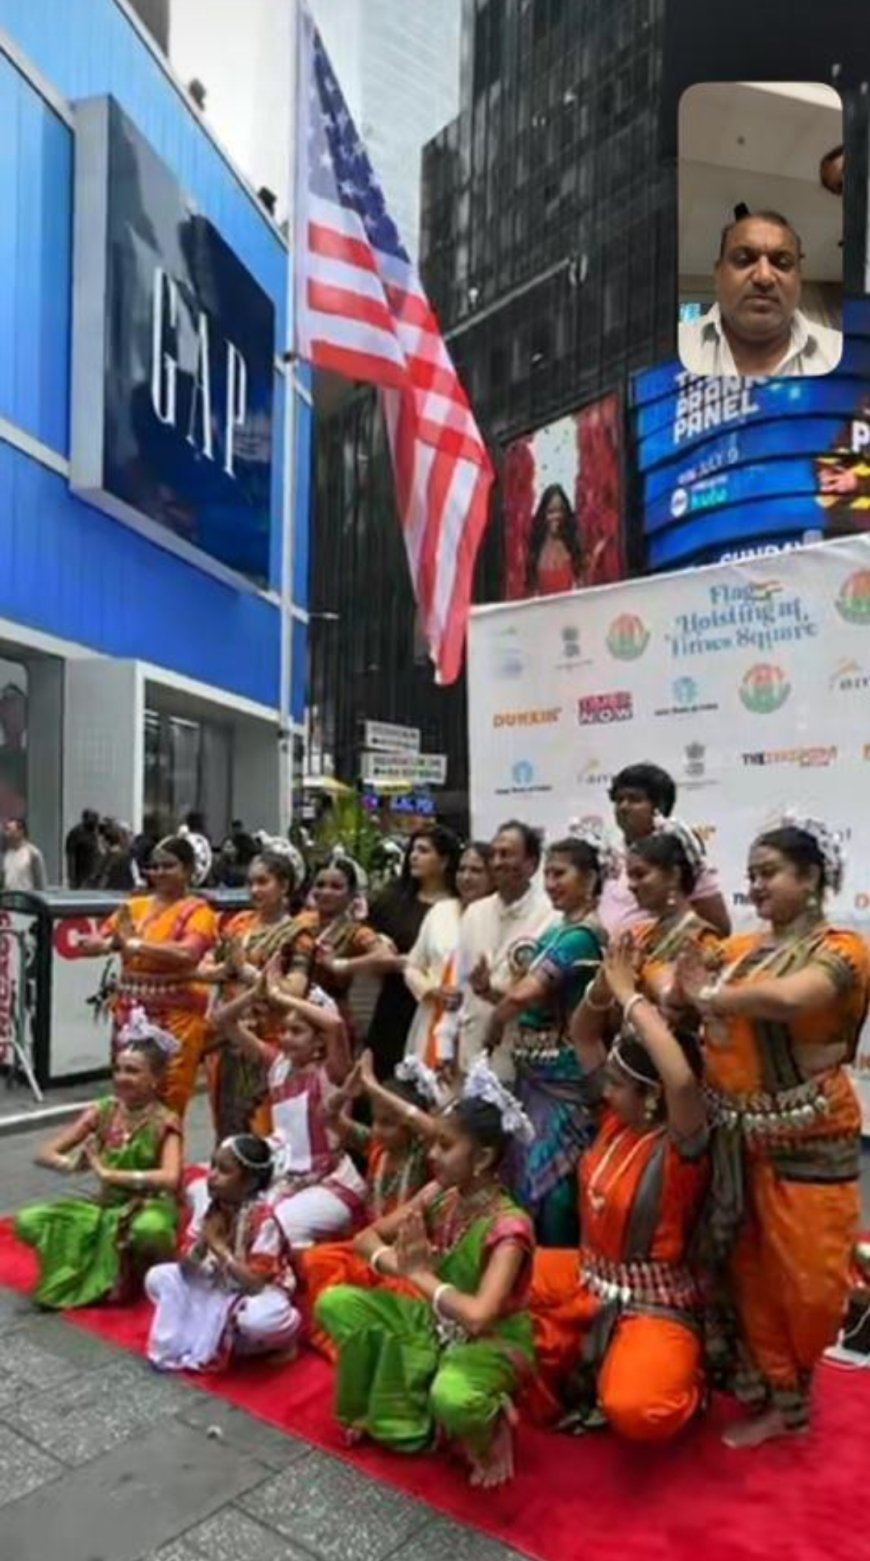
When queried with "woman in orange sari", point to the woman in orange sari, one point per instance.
{"points": [[161, 938], [618, 1335], [238, 1086], [780, 1022]]}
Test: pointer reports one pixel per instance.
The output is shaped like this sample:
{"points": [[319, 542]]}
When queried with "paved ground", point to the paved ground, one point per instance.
{"points": [[103, 1460]]}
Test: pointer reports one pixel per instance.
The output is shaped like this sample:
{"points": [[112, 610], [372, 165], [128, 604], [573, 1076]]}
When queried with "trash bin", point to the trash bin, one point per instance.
{"points": [[54, 1003]]}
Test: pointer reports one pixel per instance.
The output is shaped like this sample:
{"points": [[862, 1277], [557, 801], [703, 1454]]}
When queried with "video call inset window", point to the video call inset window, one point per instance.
{"points": [[761, 179]]}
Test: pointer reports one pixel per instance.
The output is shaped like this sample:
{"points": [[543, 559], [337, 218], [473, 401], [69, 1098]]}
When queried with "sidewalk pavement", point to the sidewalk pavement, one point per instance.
{"points": [[102, 1459]]}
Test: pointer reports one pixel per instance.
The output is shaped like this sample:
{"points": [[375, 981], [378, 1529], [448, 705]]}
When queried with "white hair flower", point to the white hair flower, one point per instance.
{"points": [[688, 838], [140, 1028], [829, 843], [609, 858], [413, 1071], [483, 1084]]}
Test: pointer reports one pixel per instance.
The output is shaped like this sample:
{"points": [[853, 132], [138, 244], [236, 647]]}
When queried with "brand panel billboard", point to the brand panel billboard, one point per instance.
{"points": [[726, 462]]}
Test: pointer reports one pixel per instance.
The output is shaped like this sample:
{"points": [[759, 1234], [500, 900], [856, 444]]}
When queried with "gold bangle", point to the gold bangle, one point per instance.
{"points": [[375, 1259]]}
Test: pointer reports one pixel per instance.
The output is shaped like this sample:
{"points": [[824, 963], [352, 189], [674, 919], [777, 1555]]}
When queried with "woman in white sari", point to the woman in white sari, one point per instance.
{"points": [[431, 967]]}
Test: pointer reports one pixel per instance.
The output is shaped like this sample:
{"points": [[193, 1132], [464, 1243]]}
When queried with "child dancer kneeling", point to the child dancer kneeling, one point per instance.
{"points": [[98, 1248], [231, 1293], [448, 1357], [396, 1149], [318, 1189]]}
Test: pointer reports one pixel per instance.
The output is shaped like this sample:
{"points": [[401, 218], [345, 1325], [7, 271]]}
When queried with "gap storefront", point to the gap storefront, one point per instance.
{"points": [[153, 579]]}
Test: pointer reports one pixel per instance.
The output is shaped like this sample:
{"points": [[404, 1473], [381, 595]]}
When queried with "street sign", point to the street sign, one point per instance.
{"points": [[418, 769], [386, 738]]}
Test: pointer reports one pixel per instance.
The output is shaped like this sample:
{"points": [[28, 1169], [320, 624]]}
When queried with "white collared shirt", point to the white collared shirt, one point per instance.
{"points": [[812, 349], [506, 936]]}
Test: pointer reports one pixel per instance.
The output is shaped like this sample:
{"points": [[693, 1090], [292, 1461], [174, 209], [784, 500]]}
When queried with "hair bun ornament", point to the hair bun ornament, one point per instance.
{"points": [[277, 845], [830, 845], [688, 838], [483, 1084], [139, 1030], [411, 1070], [609, 857]]}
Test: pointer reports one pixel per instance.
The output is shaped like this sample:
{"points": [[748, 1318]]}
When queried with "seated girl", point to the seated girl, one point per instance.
{"points": [[231, 1292], [98, 1248], [448, 1357], [318, 1190], [396, 1148], [618, 1335]]}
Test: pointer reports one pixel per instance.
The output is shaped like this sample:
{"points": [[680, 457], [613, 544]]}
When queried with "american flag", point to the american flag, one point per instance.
{"points": [[361, 311]]}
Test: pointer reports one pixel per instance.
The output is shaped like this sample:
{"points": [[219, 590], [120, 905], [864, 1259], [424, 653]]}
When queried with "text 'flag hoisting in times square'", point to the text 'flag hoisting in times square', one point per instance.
{"points": [[361, 312]]}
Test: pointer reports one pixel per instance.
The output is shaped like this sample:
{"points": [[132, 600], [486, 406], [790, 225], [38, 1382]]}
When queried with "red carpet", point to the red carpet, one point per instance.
{"points": [[591, 1499]]}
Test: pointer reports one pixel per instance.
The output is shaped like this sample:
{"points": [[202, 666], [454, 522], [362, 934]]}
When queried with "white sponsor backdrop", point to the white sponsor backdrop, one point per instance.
{"points": [[748, 681]]}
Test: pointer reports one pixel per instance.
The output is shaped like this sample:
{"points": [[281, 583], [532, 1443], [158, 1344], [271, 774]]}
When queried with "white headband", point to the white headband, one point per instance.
{"points": [[140, 1029], [830, 845], [609, 859], [411, 1070]]}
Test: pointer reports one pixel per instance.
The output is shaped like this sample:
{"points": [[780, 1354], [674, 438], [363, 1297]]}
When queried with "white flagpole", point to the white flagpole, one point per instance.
{"points": [[290, 425]]}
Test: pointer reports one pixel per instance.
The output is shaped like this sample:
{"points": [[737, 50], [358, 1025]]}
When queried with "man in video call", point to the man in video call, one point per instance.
{"points": [[755, 326]]}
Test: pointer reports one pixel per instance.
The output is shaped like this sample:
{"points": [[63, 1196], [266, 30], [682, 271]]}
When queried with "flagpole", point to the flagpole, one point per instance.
{"points": [[289, 432]]}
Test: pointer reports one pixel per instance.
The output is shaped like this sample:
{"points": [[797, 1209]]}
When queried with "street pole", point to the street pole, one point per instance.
{"points": [[290, 482]]}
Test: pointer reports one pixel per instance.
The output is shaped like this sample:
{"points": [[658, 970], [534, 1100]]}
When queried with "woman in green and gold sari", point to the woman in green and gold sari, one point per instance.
{"points": [[98, 1248], [441, 1346]]}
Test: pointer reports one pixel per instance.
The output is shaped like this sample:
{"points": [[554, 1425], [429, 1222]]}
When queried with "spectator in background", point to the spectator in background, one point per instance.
{"points": [[116, 869], [82, 850], [144, 844], [23, 867]]}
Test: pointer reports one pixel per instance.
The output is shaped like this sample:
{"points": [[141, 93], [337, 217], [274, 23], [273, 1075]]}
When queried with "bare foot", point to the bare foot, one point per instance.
{"points": [[353, 1435], [764, 1428], [496, 1465]]}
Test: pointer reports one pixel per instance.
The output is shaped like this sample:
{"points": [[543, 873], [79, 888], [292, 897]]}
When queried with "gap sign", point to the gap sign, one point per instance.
{"points": [[173, 358]]}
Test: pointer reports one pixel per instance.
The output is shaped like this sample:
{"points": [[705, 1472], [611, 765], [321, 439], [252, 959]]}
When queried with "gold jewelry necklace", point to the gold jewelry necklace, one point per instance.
{"points": [[132, 1121], [598, 1197]]}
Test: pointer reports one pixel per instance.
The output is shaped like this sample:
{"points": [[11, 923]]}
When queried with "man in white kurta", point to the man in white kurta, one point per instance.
{"points": [[498, 938]]}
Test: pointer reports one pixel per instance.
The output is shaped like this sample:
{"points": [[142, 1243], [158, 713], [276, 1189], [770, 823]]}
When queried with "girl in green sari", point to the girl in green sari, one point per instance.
{"points": [[98, 1248], [441, 1345]]}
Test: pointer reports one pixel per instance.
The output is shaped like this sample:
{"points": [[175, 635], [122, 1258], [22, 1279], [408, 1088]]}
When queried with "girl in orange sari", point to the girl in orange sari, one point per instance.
{"points": [[662, 870], [238, 1086], [617, 1333], [781, 1020], [161, 938]]}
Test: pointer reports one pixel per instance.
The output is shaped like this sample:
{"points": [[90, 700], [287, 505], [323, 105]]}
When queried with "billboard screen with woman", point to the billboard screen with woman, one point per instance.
{"points": [[563, 505]]}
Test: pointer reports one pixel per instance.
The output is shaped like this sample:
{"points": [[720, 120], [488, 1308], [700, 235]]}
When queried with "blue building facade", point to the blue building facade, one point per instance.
{"points": [[135, 675]]}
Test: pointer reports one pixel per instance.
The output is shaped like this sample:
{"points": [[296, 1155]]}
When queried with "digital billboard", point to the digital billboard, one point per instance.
{"points": [[562, 488], [725, 463]]}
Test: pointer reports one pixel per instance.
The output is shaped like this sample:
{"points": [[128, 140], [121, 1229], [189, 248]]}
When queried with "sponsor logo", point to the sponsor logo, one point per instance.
{"points": [[603, 709], [523, 780], [853, 602], [848, 677], [805, 758], [764, 688], [695, 760], [679, 503], [687, 700], [527, 717], [593, 774], [627, 637], [508, 656], [572, 650]]}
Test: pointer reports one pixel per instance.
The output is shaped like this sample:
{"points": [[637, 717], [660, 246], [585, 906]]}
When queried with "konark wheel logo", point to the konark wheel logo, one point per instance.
{"points": [[853, 602], [764, 688], [627, 637]]}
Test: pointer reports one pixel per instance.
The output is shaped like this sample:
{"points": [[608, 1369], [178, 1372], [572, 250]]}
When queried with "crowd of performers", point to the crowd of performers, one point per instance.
{"points": [[600, 1158]]}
